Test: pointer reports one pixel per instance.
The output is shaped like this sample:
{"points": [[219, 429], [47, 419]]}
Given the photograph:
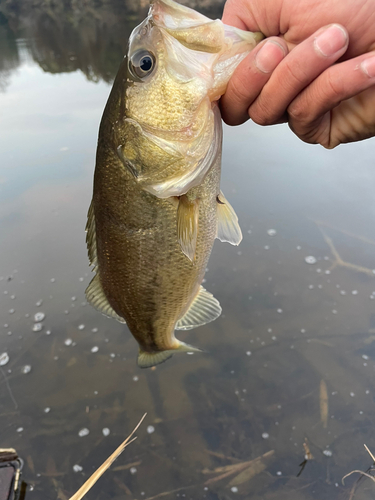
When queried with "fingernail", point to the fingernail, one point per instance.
{"points": [[331, 40], [269, 56], [368, 66]]}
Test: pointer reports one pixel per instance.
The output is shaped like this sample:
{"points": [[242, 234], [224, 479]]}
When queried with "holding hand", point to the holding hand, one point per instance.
{"points": [[316, 71]]}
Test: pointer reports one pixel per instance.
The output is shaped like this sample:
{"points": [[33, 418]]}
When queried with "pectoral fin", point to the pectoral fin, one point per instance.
{"points": [[203, 309], [187, 225], [228, 228], [96, 297]]}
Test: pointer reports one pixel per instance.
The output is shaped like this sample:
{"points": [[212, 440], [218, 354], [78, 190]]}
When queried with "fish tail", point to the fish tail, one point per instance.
{"points": [[148, 359]]}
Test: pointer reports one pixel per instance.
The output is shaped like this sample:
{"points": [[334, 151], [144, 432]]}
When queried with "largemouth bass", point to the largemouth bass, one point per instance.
{"points": [[157, 207]]}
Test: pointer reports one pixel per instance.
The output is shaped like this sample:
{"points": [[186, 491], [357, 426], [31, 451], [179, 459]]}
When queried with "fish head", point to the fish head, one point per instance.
{"points": [[177, 65]]}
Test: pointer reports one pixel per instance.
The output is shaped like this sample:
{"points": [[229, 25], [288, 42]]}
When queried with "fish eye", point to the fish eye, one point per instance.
{"points": [[142, 63]]}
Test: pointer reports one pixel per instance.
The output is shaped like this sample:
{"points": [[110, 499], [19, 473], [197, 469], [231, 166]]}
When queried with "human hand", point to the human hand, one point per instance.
{"points": [[317, 76]]}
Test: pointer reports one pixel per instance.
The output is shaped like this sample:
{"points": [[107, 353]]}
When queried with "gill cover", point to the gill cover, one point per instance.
{"points": [[179, 63]]}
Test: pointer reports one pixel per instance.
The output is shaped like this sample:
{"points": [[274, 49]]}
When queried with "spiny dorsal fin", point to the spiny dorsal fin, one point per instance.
{"points": [[228, 228], [187, 225], [203, 309], [91, 236], [96, 297]]}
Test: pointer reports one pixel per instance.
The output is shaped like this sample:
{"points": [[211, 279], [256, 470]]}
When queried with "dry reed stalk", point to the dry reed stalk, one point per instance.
{"points": [[100, 471]]}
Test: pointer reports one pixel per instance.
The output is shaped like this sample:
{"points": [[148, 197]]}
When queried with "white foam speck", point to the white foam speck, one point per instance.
{"points": [[4, 358], [39, 316], [310, 259]]}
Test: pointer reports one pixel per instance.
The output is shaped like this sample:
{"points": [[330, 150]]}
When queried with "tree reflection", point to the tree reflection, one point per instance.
{"points": [[9, 59], [70, 35]]}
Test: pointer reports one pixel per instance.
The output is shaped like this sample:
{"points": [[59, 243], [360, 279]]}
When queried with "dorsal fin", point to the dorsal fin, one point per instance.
{"points": [[96, 297], [203, 309]]}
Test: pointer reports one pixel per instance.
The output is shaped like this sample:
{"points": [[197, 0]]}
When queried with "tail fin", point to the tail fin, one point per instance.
{"points": [[148, 359]]}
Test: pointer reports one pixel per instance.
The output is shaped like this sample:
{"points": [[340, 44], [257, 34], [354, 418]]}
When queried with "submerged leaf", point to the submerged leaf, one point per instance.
{"points": [[323, 403]]}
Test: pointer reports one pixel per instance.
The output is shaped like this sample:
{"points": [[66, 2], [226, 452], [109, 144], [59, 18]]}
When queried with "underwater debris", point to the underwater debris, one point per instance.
{"points": [[100, 471]]}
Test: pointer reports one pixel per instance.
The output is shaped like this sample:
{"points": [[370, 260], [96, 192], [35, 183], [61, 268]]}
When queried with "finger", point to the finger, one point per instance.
{"points": [[309, 113], [249, 78], [235, 14], [302, 65]]}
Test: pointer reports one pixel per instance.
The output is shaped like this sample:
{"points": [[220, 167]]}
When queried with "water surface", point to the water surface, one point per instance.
{"points": [[291, 360]]}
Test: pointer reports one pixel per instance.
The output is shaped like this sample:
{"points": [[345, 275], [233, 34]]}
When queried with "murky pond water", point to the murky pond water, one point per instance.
{"points": [[290, 365]]}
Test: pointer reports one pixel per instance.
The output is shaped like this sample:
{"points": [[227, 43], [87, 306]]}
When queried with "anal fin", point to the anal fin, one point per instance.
{"points": [[96, 297], [187, 225], [148, 359], [204, 309], [228, 228]]}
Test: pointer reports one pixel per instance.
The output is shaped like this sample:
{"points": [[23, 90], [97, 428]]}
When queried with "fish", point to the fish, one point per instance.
{"points": [[157, 206]]}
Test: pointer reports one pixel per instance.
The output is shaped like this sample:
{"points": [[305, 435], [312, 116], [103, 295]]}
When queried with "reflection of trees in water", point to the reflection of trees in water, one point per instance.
{"points": [[66, 35], [9, 59]]}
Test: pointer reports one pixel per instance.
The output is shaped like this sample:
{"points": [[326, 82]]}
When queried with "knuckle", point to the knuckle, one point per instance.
{"points": [[239, 91], [333, 88], [297, 112], [296, 76], [260, 114]]}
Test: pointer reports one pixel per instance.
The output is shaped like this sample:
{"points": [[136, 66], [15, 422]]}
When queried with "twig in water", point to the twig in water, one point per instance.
{"points": [[98, 473], [363, 474], [338, 261], [9, 389], [166, 493], [359, 472], [254, 467]]}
